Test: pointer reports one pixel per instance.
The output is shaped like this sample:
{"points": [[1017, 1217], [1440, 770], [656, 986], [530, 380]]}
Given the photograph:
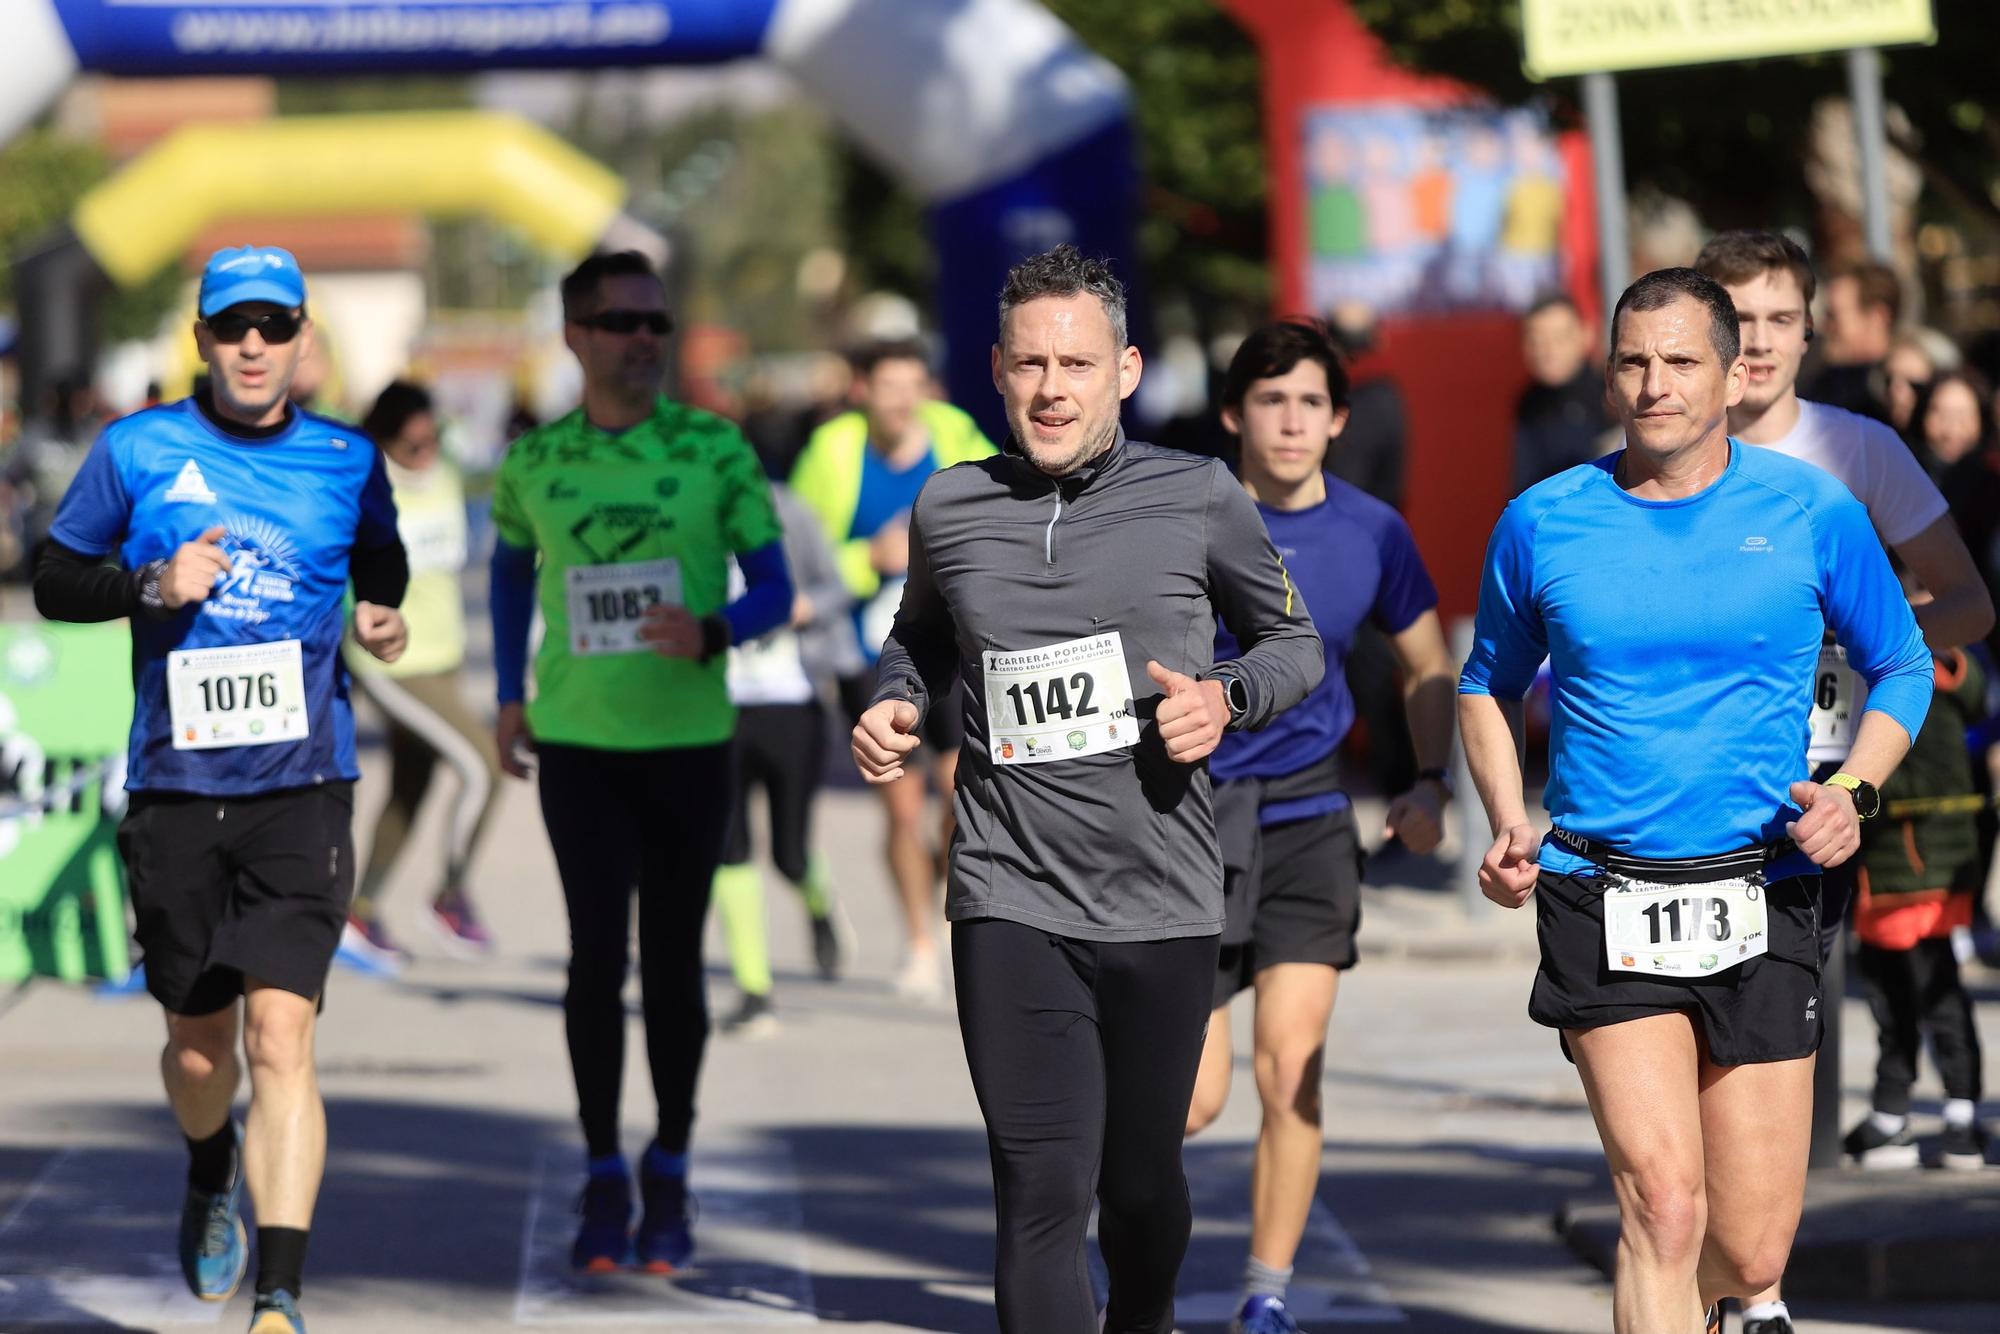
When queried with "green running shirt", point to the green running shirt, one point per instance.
{"points": [[681, 486]]}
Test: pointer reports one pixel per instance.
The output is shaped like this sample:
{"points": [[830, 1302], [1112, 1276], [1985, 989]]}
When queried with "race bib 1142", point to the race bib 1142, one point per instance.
{"points": [[1060, 701]]}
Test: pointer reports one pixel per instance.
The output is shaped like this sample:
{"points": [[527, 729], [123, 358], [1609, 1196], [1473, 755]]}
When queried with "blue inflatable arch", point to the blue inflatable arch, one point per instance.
{"points": [[1014, 134]]}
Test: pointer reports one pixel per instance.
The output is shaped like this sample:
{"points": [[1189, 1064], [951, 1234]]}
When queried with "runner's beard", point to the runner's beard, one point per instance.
{"points": [[1084, 453]]}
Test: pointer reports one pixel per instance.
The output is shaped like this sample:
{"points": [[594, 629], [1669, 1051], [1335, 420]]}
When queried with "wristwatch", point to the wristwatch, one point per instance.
{"points": [[1867, 799], [1442, 777], [1234, 693]]}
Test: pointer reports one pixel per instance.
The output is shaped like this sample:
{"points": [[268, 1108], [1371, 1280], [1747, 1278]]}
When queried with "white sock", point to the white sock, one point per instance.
{"points": [[1767, 1311], [1889, 1123], [1958, 1111]]}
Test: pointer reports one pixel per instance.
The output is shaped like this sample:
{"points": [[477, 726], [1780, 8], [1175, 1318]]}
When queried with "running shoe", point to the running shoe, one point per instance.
{"points": [[833, 940], [458, 929], [1264, 1315], [1963, 1148], [603, 1240], [365, 948], [922, 979], [1776, 1324], [276, 1313], [665, 1241], [754, 1017], [1874, 1148], [214, 1248]]}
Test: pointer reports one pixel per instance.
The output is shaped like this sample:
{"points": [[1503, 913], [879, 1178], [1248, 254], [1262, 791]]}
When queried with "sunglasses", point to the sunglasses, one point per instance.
{"points": [[233, 326], [625, 322]]}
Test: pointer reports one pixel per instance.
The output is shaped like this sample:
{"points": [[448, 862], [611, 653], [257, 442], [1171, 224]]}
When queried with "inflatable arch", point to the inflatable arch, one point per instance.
{"points": [[1014, 134]]}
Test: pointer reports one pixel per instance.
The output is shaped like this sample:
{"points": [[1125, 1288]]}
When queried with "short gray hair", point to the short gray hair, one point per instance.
{"points": [[1066, 271]]}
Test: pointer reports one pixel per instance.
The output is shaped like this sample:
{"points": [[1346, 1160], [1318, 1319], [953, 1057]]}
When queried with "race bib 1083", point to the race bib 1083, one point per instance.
{"points": [[1060, 701], [608, 602]]}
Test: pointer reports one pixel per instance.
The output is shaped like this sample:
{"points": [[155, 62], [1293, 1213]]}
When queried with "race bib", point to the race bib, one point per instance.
{"points": [[434, 538], [1684, 930], [1059, 702], [1839, 696], [607, 603], [242, 695]]}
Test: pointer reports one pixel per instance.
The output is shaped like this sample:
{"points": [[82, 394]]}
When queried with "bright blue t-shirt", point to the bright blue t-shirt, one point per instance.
{"points": [[1353, 561], [292, 506], [1682, 637], [887, 496]]}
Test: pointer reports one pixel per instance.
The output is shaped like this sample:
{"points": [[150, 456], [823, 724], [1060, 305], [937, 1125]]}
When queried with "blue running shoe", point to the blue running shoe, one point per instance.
{"points": [[603, 1239], [665, 1242], [1264, 1315], [277, 1313], [214, 1248]]}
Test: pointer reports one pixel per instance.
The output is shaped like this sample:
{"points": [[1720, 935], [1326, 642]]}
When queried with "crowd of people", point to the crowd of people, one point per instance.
{"points": [[1123, 669]]}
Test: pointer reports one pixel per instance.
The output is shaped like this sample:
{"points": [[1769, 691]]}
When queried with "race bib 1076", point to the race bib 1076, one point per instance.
{"points": [[1684, 930], [239, 695], [1060, 701]]}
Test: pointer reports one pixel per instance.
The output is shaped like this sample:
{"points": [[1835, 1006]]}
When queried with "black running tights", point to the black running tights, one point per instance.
{"points": [[651, 820], [1083, 1055]]}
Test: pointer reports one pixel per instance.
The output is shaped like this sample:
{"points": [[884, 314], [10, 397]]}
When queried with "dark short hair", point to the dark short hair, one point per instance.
{"points": [[868, 356], [393, 408], [1549, 301], [1975, 384], [1066, 271], [1662, 287], [1741, 256], [1276, 349], [579, 286], [1876, 284]]}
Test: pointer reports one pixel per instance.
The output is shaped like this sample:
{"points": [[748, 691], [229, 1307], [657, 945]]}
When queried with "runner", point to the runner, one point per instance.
{"points": [[1085, 887], [1770, 281], [422, 696], [1292, 858], [1680, 588], [634, 505], [775, 683], [236, 521], [860, 474]]}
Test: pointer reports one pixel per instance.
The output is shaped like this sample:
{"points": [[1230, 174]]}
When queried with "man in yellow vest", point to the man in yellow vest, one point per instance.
{"points": [[860, 474]]}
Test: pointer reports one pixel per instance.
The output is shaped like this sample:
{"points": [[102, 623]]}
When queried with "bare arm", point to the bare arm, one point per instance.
{"points": [[1960, 611], [1508, 870], [1830, 832], [1429, 683]]}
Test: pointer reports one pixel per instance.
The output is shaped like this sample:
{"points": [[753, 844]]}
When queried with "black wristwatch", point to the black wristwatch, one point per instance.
{"points": [[1234, 693], [1442, 777], [151, 601], [1867, 797]]}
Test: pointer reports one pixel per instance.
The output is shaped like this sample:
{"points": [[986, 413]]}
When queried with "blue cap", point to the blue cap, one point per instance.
{"points": [[236, 274]]}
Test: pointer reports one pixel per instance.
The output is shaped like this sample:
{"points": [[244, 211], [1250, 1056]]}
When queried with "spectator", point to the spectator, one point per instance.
{"points": [[1560, 420], [1906, 373], [1920, 873], [1955, 438], [1864, 301]]}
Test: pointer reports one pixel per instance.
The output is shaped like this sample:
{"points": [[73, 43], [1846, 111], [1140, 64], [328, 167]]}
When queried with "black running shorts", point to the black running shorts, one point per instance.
{"points": [[1765, 1009], [1308, 901], [225, 887]]}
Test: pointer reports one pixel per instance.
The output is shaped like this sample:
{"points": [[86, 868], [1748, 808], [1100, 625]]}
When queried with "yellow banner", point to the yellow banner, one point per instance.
{"points": [[1584, 36]]}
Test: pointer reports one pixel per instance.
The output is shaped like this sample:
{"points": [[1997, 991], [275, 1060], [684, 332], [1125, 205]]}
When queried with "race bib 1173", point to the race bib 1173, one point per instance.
{"points": [[1684, 930]]}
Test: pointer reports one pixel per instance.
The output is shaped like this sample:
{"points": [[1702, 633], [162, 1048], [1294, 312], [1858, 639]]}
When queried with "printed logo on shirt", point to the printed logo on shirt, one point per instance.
{"points": [[1756, 546], [262, 568], [191, 486]]}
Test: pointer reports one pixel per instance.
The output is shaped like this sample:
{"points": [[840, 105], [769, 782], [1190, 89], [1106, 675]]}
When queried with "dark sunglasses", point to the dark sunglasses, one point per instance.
{"points": [[655, 322], [233, 326]]}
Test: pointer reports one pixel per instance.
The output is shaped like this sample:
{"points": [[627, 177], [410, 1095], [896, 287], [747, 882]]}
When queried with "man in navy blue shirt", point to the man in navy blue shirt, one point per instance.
{"points": [[227, 526], [1286, 826], [1680, 589]]}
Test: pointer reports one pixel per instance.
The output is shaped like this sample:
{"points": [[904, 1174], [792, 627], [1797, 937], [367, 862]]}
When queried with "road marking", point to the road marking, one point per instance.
{"points": [[55, 1265], [751, 1252]]}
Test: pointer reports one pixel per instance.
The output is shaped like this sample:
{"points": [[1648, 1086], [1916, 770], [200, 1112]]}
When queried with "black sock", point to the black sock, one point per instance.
{"points": [[281, 1259], [212, 1161]]}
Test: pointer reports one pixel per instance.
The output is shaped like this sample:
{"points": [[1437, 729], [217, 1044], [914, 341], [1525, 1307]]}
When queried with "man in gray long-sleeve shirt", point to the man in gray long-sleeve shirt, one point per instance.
{"points": [[1073, 583]]}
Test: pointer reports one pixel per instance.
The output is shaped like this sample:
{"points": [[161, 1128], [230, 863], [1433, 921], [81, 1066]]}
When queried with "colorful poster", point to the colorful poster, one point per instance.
{"points": [[1420, 210], [65, 710]]}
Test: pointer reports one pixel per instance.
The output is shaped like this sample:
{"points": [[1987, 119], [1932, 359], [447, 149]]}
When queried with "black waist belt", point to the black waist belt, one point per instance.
{"points": [[1675, 870]]}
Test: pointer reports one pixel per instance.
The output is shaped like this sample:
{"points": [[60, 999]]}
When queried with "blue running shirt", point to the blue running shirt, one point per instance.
{"points": [[293, 506], [887, 496], [1353, 560], [1682, 637]]}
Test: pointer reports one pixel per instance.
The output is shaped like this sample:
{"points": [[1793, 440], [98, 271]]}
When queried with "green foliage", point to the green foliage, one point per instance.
{"points": [[350, 96], [41, 178]]}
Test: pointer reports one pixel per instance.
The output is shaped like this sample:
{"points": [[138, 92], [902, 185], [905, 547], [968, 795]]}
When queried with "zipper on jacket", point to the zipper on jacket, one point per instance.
{"points": [[1049, 533]]}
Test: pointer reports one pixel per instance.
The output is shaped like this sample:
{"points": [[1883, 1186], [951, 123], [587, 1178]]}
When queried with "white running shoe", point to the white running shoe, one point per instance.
{"points": [[922, 979]]}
